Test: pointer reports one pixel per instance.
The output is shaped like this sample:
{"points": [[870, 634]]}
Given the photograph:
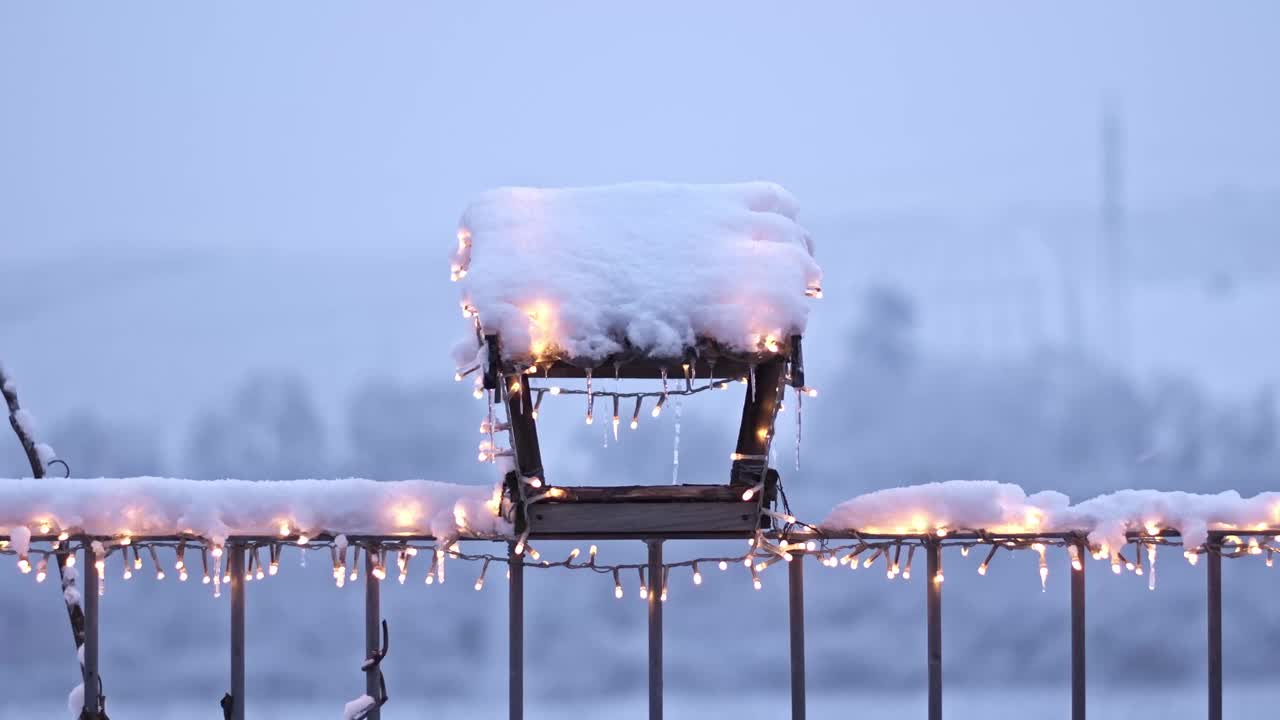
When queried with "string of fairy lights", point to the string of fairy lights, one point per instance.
{"points": [[523, 388], [895, 555]]}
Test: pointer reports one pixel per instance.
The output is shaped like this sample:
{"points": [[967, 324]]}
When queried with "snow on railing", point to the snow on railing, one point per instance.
{"points": [[233, 525]]}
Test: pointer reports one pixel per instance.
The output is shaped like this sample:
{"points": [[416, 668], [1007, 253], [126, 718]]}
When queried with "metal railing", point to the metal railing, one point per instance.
{"points": [[239, 548]]}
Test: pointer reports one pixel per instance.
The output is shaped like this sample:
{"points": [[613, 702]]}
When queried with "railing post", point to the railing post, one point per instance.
{"points": [[795, 575], [655, 629], [515, 620], [372, 623], [933, 586], [1078, 671], [1213, 546], [237, 629], [90, 667]]}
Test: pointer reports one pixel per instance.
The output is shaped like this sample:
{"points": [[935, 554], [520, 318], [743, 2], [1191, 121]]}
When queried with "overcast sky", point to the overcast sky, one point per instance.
{"points": [[349, 125]]}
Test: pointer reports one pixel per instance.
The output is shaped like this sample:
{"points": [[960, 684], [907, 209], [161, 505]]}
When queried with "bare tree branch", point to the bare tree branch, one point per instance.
{"points": [[39, 455], [21, 423]]}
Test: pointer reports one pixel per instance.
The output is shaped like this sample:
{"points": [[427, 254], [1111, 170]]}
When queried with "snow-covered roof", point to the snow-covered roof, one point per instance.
{"points": [[216, 509], [652, 269], [1006, 508]]}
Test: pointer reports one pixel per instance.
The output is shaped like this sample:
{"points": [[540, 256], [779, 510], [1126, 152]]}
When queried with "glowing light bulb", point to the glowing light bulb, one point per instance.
{"points": [[723, 565], [284, 529]]}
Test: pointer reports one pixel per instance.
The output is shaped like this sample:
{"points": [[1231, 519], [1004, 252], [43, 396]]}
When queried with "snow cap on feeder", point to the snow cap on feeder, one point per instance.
{"points": [[726, 264]]}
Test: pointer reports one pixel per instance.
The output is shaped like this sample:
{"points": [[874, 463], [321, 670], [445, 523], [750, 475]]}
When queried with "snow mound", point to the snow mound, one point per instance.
{"points": [[216, 509], [1006, 508], [75, 700], [583, 274], [1109, 517], [355, 708], [948, 506]]}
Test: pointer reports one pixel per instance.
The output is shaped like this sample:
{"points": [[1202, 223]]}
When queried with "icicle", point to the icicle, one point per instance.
{"points": [[217, 575], [1151, 557], [711, 372], [615, 418], [675, 452], [751, 380], [664, 385], [1044, 568], [591, 398], [799, 423]]}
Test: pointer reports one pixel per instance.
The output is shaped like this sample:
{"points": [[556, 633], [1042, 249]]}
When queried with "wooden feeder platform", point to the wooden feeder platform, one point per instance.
{"points": [[670, 510]]}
